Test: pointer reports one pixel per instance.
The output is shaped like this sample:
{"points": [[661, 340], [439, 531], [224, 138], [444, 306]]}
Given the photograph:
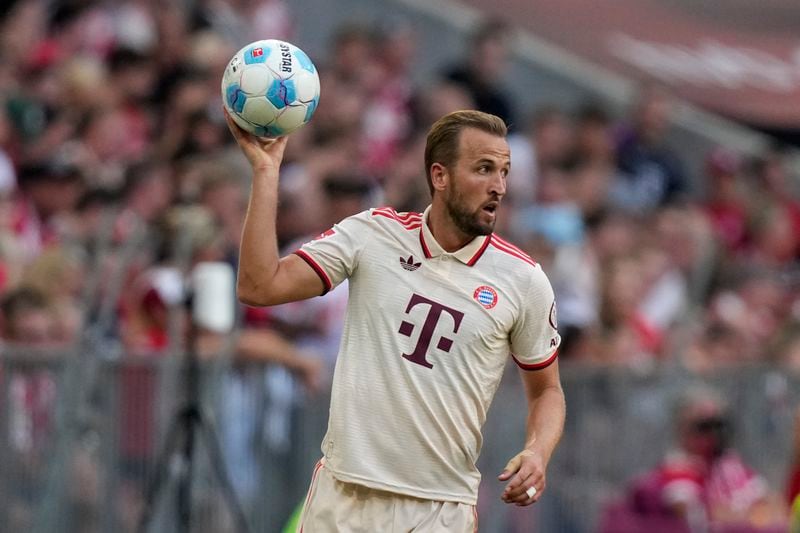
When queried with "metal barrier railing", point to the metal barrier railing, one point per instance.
{"points": [[85, 468]]}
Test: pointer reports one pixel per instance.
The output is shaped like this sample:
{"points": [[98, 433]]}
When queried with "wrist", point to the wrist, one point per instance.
{"points": [[265, 172], [534, 449]]}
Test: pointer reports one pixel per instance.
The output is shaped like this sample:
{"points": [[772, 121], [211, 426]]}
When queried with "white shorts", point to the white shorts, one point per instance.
{"points": [[333, 506]]}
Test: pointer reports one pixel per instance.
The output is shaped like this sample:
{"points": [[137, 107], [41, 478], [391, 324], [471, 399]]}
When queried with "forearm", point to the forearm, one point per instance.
{"points": [[545, 424], [268, 346], [258, 253], [526, 471]]}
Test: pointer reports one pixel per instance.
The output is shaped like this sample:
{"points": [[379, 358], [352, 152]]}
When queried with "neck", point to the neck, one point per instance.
{"points": [[445, 231]]}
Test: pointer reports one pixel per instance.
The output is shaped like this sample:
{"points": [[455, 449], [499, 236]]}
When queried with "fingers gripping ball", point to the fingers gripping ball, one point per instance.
{"points": [[270, 88]]}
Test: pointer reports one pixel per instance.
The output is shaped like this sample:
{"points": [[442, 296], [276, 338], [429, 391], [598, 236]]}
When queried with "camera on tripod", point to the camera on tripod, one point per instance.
{"points": [[209, 296]]}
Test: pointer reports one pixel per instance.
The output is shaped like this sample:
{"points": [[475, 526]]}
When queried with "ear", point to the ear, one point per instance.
{"points": [[440, 178]]}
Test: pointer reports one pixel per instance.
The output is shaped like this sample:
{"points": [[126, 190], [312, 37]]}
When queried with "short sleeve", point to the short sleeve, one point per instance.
{"points": [[334, 253], [534, 338]]}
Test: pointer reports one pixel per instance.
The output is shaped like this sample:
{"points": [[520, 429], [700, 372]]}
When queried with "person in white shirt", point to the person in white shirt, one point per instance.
{"points": [[437, 304]]}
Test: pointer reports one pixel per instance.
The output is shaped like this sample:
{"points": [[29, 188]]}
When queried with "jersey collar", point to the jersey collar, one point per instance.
{"points": [[468, 255]]}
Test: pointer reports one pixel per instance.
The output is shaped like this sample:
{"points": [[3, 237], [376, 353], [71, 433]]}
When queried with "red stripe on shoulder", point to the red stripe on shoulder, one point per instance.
{"points": [[517, 249], [408, 220], [510, 249], [537, 366], [404, 216]]}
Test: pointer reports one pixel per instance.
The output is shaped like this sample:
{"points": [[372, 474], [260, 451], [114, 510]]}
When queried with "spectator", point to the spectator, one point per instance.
{"points": [[544, 144], [772, 188], [774, 239], [726, 206], [58, 274], [27, 319], [147, 192], [12, 253], [629, 339], [387, 115], [226, 198], [31, 398], [787, 349], [713, 474], [592, 162], [755, 308], [47, 192], [651, 173], [352, 59], [245, 21], [704, 483], [482, 71], [133, 79], [717, 346]]}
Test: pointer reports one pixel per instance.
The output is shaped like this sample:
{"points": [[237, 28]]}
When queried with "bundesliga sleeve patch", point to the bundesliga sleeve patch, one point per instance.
{"points": [[486, 296], [324, 234]]}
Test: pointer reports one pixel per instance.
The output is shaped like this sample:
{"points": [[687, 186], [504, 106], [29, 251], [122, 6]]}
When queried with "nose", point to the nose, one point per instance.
{"points": [[498, 184]]}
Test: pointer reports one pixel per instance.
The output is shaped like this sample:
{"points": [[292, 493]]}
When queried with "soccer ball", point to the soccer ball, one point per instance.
{"points": [[270, 88]]}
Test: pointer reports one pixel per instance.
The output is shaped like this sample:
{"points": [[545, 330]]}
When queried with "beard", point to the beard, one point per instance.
{"points": [[468, 222]]}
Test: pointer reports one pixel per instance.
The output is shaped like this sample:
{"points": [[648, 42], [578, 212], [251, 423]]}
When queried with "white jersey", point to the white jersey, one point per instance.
{"points": [[425, 342]]}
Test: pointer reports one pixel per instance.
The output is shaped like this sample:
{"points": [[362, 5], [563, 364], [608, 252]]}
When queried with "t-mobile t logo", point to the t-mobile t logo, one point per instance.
{"points": [[428, 328]]}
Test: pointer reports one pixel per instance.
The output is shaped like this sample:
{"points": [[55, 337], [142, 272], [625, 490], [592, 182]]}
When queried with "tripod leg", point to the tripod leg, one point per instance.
{"points": [[161, 474], [185, 485], [218, 465]]}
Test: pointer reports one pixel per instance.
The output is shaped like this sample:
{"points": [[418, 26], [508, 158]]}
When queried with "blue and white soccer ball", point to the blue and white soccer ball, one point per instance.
{"points": [[270, 88]]}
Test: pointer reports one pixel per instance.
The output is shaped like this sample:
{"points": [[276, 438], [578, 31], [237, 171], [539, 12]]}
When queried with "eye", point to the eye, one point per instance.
{"points": [[483, 169]]}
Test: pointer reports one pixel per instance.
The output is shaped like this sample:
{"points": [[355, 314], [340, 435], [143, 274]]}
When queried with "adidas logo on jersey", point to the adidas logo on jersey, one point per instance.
{"points": [[409, 263]]}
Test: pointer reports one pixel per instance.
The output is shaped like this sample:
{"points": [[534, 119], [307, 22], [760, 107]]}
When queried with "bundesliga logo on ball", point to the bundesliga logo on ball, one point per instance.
{"points": [[270, 88]]}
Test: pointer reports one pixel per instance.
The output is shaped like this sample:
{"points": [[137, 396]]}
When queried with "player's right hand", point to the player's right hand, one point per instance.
{"points": [[263, 154]]}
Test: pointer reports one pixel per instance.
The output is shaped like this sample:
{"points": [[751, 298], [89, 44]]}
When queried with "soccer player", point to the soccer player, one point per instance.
{"points": [[437, 304]]}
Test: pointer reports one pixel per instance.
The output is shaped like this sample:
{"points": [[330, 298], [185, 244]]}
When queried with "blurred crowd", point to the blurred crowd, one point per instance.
{"points": [[117, 174]]}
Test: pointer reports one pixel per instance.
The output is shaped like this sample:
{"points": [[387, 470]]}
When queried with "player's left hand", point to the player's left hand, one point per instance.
{"points": [[524, 471]]}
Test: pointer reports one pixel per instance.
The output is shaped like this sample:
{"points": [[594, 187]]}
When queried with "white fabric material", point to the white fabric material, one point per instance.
{"points": [[421, 357], [333, 506]]}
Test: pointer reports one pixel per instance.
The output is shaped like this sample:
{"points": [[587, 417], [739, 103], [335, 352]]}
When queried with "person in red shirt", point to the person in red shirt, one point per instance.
{"points": [[29, 399], [726, 206], [47, 191], [703, 481]]}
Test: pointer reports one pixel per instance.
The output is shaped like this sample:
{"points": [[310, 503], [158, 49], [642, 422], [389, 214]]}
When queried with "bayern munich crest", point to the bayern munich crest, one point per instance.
{"points": [[486, 296]]}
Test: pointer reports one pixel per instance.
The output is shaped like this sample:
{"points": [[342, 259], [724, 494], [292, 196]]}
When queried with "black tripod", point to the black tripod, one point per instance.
{"points": [[180, 444]]}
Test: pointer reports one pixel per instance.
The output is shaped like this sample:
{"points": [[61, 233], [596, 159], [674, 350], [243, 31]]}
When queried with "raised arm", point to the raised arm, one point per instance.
{"points": [[546, 413], [264, 278]]}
